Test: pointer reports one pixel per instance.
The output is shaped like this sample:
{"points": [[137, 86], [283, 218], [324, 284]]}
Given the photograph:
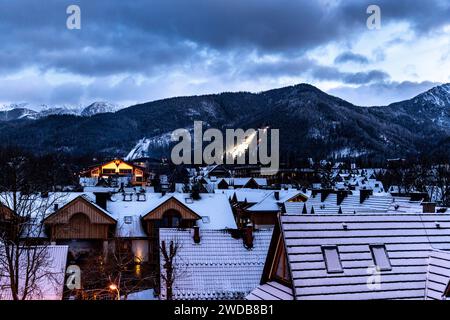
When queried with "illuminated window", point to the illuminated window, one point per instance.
{"points": [[332, 259], [380, 257]]}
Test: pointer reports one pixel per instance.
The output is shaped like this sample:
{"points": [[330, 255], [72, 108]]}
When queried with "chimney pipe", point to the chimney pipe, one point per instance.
{"points": [[248, 236], [101, 199], [277, 195], [196, 234]]}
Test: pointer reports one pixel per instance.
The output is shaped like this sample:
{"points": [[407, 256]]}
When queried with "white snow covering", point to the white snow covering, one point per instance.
{"points": [[214, 209], [409, 240], [143, 148], [219, 267], [99, 107]]}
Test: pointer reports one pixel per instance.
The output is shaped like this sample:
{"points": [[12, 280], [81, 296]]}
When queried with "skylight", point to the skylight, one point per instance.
{"points": [[205, 219], [380, 257], [128, 219], [332, 259]]}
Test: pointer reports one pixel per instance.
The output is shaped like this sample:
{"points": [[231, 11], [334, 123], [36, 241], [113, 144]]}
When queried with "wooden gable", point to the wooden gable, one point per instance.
{"points": [[172, 204], [298, 198], [80, 205], [277, 267], [80, 219]]}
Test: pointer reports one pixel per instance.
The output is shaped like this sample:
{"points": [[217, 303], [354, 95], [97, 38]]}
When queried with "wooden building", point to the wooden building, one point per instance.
{"points": [[116, 169], [82, 225], [170, 214]]}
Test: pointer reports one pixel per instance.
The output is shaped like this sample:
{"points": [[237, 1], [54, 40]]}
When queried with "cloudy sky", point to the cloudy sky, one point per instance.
{"points": [[135, 51]]}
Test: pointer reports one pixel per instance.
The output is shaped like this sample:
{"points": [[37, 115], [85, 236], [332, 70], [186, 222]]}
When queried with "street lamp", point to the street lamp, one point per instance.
{"points": [[113, 287]]}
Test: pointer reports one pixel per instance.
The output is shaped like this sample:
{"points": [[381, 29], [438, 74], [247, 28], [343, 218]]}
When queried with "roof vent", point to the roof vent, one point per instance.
{"points": [[248, 236], [277, 195], [344, 226], [438, 225], [196, 234]]}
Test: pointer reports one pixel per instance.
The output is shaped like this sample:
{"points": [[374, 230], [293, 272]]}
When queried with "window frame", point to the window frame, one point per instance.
{"points": [[334, 247], [372, 252]]}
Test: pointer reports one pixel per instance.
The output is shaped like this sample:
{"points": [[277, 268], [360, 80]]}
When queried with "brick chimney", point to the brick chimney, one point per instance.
{"points": [[277, 195], [196, 236], [428, 207], [248, 236], [101, 199]]}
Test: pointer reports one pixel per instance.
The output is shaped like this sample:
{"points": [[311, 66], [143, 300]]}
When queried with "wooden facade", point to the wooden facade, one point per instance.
{"points": [[170, 214], [81, 220], [277, 267]]}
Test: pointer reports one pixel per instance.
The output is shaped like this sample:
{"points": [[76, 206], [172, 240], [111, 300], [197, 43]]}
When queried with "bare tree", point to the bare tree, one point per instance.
{"points": [[442, 182], [25, 264], [172, 268]]}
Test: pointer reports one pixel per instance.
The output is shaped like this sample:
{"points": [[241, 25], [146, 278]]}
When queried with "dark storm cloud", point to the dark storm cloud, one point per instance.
{"points": [[351, 57], [139, 36], [309, 67]]}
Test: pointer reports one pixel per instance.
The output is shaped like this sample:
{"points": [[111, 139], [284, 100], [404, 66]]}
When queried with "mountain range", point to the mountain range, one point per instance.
{"points": [[311, 122], [25, 111]]}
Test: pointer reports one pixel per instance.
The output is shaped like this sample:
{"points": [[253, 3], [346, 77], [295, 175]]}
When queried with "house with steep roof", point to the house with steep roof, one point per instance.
{"points": [[118, 170], [214, 264], [353, 257], [90, 221], [261, 206]]}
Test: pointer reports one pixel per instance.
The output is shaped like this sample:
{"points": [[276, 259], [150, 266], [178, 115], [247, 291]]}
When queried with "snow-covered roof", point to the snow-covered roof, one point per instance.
{"points": [[245, 194], [219, 267], [407, 241], [270, 203], [438, 276], [50, 278], [271, 291], [214, 209], [376, 203]]}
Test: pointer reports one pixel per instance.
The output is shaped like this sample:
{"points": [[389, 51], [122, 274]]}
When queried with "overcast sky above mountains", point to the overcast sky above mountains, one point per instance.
{"points": [[136, 51]]}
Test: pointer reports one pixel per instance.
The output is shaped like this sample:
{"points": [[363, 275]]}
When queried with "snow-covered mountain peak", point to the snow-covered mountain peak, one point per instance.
{"points": [[438, 96], [99, 107]]}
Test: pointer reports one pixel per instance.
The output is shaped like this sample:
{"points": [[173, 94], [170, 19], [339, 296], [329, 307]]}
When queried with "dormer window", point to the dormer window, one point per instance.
{"points": [[380, 257], [332, 259]]}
